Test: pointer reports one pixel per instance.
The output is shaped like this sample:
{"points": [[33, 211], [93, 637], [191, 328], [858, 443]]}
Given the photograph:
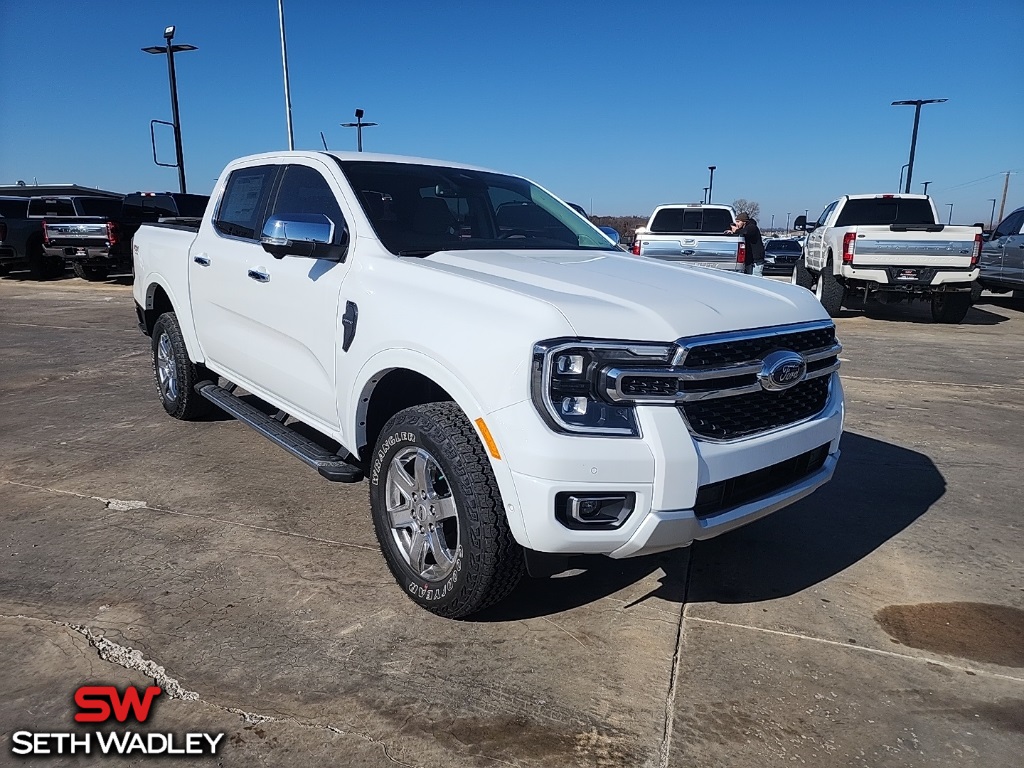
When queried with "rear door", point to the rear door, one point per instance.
{"points": [[1008, 242]]}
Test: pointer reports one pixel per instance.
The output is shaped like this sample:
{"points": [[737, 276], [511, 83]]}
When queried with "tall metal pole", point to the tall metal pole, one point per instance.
{"points": [[711, 182], [178, 154], [1002, 205], [787, 222], [773, 223], [950, 219], [287, 88], [705, 198], [913, 147], [925, 185], [359, 133], [992, 216], [902, 169]]}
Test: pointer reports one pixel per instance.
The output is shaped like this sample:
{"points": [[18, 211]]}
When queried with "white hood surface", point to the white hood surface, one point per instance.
{"points": [[608, 295]]}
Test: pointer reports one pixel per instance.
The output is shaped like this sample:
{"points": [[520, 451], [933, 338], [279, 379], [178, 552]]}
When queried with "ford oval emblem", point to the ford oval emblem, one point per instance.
{"points": [[782, 370]]}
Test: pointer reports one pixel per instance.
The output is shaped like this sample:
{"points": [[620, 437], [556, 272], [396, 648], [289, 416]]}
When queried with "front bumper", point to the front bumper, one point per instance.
{"points": [[664, 469]]}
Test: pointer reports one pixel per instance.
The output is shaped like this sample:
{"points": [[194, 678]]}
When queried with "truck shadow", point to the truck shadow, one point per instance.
{"points": [[921, 313], [782, 554]]}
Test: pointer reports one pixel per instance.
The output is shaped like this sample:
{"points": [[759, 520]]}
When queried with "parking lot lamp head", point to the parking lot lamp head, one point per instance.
{"points": [[359, 125]]}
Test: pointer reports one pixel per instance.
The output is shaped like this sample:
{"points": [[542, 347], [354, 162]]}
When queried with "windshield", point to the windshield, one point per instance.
{"points": [[419, 209], [693, 220], [782, 245]]}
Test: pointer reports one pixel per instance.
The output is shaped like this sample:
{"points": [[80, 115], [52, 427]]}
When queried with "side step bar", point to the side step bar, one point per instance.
{"points": [[331, 466]]}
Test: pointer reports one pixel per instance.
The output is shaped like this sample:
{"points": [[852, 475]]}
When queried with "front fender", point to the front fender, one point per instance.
{"points": [[376, 367]]}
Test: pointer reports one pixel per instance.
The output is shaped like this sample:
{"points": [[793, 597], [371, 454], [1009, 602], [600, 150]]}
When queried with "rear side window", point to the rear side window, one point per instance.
{"points": [[99, 206], [1010, 225], [883, 211], [14, 209], [245, 199], [304, 191], [691, 220], [51, 206]]}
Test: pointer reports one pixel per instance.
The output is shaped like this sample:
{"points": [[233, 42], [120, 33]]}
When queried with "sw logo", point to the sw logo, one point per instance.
{"points": [[105, 704]]}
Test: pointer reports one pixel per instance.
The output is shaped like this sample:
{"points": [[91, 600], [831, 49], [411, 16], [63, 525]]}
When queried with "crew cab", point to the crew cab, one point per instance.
{"points": [[1002, 257], [515, 389], [692, 234], [890, 249], [101, 244]]}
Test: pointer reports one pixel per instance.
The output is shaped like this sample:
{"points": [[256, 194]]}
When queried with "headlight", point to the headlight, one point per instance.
{"points": [[569, 383]]}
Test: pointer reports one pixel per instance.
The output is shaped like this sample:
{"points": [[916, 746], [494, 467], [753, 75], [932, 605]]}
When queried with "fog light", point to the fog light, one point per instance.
{"points": [[594, 510], [574, 406], [569, 364]]}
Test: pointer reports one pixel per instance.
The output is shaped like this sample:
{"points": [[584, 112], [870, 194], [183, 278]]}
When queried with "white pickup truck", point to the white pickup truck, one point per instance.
{"points": [[889, 248], [513, 386], [692, 234]]}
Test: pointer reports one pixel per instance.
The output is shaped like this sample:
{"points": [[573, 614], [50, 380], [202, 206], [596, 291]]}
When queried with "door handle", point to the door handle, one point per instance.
{"points": [[260, 277], [202, 261]]}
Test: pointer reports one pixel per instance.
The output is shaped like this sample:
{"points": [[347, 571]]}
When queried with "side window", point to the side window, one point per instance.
{"points": [[826, 213], [304, 191], [1010, 225], [245, 198]]}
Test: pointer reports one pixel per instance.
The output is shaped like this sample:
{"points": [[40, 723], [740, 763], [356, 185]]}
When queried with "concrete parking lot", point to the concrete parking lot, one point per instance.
{"points": [[879, 622]]}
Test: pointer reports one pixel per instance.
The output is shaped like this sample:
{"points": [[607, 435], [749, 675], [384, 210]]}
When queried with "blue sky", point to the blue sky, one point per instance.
{"points": [[617, 106]]}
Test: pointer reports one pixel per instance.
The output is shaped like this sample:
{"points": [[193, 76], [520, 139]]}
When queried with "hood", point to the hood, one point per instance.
{"points": [[608, 295]]}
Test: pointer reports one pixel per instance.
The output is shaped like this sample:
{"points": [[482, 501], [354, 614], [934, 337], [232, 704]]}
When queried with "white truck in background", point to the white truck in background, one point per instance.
{"points": [[693, 234], [889, 249], [514, 387]]}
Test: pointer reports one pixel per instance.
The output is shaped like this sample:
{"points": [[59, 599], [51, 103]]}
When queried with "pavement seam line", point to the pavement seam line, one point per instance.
{"points": [[665, 751], [132, 659], [121, 505], [864, 648], [933, 383]]}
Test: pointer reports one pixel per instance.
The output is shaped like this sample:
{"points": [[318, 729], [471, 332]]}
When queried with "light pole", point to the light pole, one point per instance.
{"points": [[992, 216], [925, 185], [169, 50], [917, 104], [787, 223], [284, 66], [773, 223], [711, 181], [905, 166], [358, 125], [806, 211], [705, 198], [950, 219]]}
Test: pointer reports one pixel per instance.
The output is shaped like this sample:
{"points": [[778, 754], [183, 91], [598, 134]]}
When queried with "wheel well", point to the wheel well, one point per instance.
{"points": [[157, 302], [392, 392]]}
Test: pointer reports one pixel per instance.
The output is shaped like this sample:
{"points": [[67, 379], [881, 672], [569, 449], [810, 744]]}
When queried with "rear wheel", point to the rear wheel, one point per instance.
{"points": [[176, 375], [438, 514], [802, 276], [829, 290], [92, 274], [41, 266], [950, 307]]}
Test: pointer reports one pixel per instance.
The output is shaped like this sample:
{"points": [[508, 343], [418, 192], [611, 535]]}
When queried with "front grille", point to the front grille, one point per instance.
{"points": [[730, 418], [713, 353], [725, 494]]}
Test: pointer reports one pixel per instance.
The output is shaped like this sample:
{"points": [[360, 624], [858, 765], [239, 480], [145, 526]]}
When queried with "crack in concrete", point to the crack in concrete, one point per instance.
{"points": [[665, 752], [864, 648], [122, 505], [132, 659]]}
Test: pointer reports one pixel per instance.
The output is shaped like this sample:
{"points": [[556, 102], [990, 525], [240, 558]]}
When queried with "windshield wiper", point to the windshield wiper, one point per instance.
{"points": [[420, 253]]}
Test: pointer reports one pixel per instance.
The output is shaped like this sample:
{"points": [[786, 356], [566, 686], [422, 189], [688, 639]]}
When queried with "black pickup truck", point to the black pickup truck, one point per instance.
{"points": [[22, 235], [100, 245]]}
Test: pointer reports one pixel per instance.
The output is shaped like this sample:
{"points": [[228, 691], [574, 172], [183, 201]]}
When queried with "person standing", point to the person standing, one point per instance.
{"points": [[746, 228]]}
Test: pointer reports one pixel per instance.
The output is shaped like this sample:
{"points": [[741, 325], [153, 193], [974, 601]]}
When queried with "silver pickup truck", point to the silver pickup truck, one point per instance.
{"points": [[691, 234]]}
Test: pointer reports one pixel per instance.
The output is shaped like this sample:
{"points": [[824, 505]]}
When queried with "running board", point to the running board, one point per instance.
{"points": [[331, 466]]}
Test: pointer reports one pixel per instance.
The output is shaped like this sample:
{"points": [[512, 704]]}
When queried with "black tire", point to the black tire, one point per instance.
{"points": [[976, 289], [176, 375], [829, 290], [92, 274], [473, 561], [4, 270], [802, 276], [950, 307]]}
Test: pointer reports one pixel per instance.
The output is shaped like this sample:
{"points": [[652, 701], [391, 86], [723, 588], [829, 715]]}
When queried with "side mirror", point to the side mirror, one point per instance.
{"points": [[801, 223], [612, 234], [310, 235]]}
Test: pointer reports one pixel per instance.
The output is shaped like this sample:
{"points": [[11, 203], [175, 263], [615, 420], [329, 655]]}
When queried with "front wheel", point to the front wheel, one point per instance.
{"points": [[438, 514], [176, 375], [950, 307], [802, 276]]}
